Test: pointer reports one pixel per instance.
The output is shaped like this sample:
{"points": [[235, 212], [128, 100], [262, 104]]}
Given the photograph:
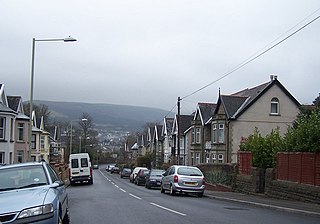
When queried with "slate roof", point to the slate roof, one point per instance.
{"points": [[206, 111], [185, 122], [237, 103], [14, 102], [168, 124]]}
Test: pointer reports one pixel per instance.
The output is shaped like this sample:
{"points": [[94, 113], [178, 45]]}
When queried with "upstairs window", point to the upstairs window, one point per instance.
{"points": [[221, 133], [214, 133], [42, 142], [198, 135], [20, 131], [192, 135], [2, 127], [274, 105]]}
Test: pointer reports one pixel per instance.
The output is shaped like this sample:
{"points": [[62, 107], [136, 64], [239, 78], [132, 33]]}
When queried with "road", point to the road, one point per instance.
{"points": [[114, 200]]}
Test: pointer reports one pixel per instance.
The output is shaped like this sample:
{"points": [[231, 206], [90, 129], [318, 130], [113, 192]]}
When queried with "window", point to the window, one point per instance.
{"points": [[42, 138], [214, 134], [11, 129], [208, 158], [33, 142], [2, 127], [84, 162], [1, 157], [214, 158], [221, 133], [198, 135], [20, 131], [192, 135], [197, 158], [74, 163], [220, 158], [274, 106], [20, 156], [192, 158]]}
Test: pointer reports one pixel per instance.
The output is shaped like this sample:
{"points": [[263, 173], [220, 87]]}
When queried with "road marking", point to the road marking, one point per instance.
{"points": [[168, 209], [122, 190], [132, 195]]}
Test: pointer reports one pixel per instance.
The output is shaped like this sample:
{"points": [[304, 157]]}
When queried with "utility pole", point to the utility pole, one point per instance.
{"points": [[178, 126]]}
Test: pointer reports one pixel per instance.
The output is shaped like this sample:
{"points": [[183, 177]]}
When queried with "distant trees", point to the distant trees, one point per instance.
{"points": [[41, 110]]}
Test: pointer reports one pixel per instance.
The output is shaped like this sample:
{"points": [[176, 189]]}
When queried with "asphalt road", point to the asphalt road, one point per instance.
{"points": [[114, 200]]}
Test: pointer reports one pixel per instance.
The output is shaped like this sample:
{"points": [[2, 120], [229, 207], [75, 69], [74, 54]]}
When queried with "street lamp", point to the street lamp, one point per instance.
{"points": [[68, 39]]}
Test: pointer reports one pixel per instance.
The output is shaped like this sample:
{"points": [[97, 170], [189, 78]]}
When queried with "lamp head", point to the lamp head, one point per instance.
{"points": [[69, 39]]}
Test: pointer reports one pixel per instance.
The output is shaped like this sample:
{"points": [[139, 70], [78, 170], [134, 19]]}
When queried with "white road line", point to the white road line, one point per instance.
{"points": [[132, 195], [168, 209], [122, 190]]}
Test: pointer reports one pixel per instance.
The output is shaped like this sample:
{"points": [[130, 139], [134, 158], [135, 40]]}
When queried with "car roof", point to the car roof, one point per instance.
{"points": [[7, 166]]}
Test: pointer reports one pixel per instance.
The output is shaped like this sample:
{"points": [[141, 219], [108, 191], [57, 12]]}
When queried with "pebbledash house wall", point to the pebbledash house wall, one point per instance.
{"points": [[258, 115]]}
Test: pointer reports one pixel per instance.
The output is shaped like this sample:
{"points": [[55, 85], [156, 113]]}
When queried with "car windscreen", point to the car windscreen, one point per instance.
{"points": [[157, 173], [22, 177], [189, 171]]}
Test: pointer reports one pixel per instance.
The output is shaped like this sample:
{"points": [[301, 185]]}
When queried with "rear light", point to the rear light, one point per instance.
{"points": [[175, 179], [91, 171]]}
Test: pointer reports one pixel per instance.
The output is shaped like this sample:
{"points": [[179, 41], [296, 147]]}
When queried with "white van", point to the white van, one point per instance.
{"points": [[80, 169]]}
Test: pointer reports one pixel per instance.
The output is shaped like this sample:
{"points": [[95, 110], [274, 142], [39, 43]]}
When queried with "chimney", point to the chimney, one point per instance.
{"points": [[273, 77]]}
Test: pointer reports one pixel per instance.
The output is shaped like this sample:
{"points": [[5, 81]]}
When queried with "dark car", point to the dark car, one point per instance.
{"points": [[141, 177], [153, 178], [115, 169], [125, 172], [32, 193]]}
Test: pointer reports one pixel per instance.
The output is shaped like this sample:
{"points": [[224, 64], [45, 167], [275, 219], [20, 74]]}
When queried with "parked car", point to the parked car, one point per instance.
{"points": [[115, 169], [109, 167], [125, 172], [32, 193], [95, 166], [80, 169], [187, 179], [153, 178], [141, 177], [135, 172]]}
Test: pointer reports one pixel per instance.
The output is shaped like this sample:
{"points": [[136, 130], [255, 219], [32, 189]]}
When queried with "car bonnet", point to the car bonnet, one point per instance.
{"points": [[17, 200]]}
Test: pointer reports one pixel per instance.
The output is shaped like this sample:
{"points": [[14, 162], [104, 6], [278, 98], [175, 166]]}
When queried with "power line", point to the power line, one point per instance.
{"points": [[252, 59]]}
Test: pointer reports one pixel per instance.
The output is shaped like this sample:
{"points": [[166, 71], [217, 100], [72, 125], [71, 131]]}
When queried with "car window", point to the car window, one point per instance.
{"points": [[74, 163], [189, 171], [171, 171], [22, 177], [53, 175], [84, 162]]}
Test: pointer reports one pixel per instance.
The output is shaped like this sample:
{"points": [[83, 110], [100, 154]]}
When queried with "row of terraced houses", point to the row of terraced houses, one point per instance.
{"points": [[14, 134], [212, 134]]}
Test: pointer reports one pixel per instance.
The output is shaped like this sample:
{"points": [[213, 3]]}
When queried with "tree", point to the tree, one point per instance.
{"points": [[41, 110], [86, 125]]}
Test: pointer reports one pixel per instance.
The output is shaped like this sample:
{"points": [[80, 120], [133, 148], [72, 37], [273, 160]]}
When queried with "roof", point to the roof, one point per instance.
{"points": [[14, 102], [237, 103], [185, 122], [168, 125], [205, 110]]}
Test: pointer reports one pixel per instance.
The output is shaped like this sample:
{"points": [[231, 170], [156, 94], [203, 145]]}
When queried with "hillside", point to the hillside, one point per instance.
{"points": [[128, 118]]}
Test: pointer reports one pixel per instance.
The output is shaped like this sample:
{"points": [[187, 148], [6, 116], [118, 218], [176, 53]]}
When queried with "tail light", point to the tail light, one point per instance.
{"points": [[90, 170], [175, 179]]}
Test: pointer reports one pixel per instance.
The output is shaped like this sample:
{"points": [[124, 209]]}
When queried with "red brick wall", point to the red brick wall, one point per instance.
{"points": [[244, 162], [299, 167]]}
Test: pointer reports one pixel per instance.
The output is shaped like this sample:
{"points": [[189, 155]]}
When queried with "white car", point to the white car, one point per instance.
{"points": [[134, 173], [80, 169]]}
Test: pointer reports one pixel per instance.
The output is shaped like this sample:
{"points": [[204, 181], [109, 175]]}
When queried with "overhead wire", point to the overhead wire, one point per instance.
{"points": [[257, 55]]}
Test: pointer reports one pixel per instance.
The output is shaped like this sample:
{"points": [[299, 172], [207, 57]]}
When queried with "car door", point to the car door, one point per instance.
{"points": [[166, 180], [61, 190]]}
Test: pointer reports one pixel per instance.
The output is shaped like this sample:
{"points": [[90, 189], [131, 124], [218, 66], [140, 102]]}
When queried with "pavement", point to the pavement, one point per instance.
{"points": [[297, 207]]}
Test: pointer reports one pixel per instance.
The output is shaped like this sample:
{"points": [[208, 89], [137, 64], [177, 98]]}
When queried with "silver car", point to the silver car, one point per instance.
{"points": [[183, 179], [32, 193]]}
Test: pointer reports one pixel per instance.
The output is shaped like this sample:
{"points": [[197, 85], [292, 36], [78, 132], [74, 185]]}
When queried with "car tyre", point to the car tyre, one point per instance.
{"points": [[66, 218], [200, 194], [162, 190], [172, 191], [91, 181]]}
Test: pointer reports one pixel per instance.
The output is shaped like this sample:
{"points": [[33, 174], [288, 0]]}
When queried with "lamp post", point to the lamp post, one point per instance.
{"points": [[85, 133], [68, 39]]}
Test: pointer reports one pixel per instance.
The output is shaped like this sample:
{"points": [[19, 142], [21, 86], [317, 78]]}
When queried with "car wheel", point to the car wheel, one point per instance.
{"points": [[200, 194], [172, 191], [91, 181], [72, 183], [162, 190], [66, 218]]}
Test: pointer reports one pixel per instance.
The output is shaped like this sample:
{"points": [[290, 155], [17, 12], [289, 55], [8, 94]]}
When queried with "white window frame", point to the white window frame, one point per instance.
{"points": [[198, 134], [221, 133], [208, 158], [192, 136], [2, 154], [220, 158], [42, 141], [214, 133], [214, 158], [192, 158], [20, 131], [2, 128], [197, 158], [274, 106]]}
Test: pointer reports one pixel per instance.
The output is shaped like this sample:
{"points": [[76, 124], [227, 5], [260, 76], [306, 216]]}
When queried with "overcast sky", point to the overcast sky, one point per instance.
{"points": [[150, 52]]}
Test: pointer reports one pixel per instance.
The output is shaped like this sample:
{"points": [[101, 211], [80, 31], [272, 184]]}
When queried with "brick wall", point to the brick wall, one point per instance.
{"points": [[244, 162]]}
